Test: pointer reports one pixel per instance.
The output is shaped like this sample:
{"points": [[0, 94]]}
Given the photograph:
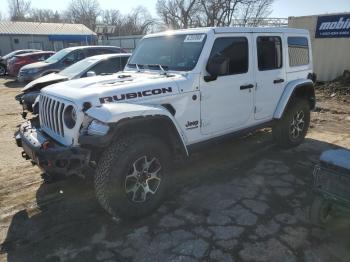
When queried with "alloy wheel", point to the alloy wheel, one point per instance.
{"points": [[297, 124], [143, 179]]}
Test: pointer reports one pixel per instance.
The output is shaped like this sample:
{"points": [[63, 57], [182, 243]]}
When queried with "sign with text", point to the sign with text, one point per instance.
{"points": [[333, 26]]}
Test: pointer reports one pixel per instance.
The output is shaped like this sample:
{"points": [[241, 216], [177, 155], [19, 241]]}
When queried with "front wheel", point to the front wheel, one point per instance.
{"points": [[132, 176], [291, 129], [2, 70]]}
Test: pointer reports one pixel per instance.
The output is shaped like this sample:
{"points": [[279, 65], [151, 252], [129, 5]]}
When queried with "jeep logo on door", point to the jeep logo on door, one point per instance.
{"points": [[133, 95], [333, 26]]}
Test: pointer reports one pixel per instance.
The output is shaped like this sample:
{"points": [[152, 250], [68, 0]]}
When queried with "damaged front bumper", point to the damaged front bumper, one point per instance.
{"points": [[50, 155]]}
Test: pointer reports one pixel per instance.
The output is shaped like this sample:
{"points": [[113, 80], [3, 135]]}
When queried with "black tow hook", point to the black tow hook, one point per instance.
{"points": [[25, 156]]}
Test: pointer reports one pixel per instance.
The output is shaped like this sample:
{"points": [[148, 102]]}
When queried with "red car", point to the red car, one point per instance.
{"points": [[16, 63]]}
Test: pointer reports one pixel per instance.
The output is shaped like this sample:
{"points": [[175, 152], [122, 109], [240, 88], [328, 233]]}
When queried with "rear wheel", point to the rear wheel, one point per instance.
{"points": [[291, 129], [132, 176], [320, 211], [2, 70]]}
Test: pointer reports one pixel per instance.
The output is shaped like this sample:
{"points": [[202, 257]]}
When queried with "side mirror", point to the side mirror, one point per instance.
{"points": [[90, 73], [217, 66]]}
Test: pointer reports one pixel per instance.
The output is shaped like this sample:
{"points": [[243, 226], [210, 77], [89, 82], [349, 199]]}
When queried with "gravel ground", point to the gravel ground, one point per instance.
{"points": [[244, 200]]}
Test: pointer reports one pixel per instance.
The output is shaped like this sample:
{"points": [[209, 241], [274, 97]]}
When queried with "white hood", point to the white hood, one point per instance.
{"points": [[130, 85], [50, 78]]}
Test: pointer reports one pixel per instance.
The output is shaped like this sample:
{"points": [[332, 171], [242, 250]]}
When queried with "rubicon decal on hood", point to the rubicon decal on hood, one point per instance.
{"points": [[133, 95]]}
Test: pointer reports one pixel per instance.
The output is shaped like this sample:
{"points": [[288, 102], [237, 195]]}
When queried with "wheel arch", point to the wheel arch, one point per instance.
{"points": [[301, 88], [126, 119]]}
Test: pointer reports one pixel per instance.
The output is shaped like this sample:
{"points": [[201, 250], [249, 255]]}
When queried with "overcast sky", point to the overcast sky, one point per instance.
{"points": [[281, 8]]}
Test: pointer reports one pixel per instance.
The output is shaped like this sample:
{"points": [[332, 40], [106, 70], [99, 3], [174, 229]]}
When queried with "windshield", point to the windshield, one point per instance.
{"points": [[78, 67], [10, 55], [173, 52], [58, 56]]}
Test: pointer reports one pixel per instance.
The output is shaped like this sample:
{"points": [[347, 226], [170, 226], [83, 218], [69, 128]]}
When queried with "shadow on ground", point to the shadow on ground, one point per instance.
{"points": [[11, 82], [245, 200]]}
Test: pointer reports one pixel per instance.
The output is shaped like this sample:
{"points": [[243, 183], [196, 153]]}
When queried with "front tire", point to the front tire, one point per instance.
{"points": [[2, 70], [132, 176], [291, 129]]}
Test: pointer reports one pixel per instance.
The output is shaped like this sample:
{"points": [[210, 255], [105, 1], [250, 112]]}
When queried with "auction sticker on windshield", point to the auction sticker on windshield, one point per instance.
{"points": [[194, 38]]}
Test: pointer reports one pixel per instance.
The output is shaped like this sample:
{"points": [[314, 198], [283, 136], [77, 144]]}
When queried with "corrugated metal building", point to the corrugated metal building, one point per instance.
{"points": [[44, 36], [330, 37]]}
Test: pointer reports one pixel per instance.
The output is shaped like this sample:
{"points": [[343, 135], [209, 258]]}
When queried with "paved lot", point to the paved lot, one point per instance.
{"points": [[244, 200]]}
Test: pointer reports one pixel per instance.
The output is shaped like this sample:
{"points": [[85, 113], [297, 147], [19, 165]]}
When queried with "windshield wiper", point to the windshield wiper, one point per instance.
{"points": [[163, 68], [137, 66]]}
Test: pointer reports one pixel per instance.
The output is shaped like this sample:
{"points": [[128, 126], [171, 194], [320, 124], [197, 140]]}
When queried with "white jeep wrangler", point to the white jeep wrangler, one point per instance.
{"points": [[178, 90]]}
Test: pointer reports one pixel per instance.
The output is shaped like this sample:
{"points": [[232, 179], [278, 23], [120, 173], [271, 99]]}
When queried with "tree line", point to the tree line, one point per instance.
{"points": [[172, 14]]}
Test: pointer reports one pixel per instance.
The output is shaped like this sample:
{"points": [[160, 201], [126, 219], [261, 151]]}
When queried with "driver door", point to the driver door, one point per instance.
{"points": [[227, 102]]}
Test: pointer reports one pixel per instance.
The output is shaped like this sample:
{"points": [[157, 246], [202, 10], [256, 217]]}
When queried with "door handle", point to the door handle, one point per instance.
{"points": [[277, 81], [246, 87]]}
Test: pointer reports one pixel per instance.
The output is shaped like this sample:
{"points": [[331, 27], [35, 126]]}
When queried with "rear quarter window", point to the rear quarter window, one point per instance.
{"points": [[298, 51]]}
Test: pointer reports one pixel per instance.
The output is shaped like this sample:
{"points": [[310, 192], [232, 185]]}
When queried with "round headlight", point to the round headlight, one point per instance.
{"points": [[70, 116]]}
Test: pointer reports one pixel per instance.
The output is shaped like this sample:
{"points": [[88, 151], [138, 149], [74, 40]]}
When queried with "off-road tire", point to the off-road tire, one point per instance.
{"points": [[2, 70], [320, 211], [114, 166], [282, 130]]}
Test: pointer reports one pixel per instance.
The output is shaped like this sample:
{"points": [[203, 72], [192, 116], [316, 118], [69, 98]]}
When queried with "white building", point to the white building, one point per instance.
{"points": [[330, 37]]}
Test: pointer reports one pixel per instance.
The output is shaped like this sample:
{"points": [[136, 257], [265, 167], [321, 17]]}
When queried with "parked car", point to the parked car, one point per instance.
{"points": [[91, 66], [332, 186], [179, 92], [4, 59], [63, 59], [17, 62]]}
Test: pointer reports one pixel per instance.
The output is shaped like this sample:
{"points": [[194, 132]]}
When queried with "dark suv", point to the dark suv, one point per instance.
{"points": [[63, 59]]}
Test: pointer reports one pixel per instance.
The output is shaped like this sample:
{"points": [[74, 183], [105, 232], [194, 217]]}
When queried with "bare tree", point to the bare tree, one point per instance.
{"points": [[253, 11], [112, 17], [189, 13], [219, 12], [138, 22], [19, 9], [83, 12], [178, 13], [44, 16]]}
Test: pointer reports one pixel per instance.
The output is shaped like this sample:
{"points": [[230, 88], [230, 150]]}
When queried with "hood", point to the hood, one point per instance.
{"points": [[120, 87], [35, 65], [44, 81]]}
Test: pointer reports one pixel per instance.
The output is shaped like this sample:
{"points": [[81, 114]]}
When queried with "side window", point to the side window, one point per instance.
{"points": [[74, 57], [108, 66], [124, 60], [48, 55], [41, 57], [236, 50], [95, 51], [80, 55], [298, 51], [269, 52], [110, 51]]}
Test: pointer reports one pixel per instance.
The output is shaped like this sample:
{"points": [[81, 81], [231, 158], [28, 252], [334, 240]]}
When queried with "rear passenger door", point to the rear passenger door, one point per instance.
{"points": [[270, 73]]}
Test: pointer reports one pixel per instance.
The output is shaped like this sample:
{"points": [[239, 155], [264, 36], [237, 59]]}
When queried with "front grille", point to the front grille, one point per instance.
{"points": [[51, 114]]}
